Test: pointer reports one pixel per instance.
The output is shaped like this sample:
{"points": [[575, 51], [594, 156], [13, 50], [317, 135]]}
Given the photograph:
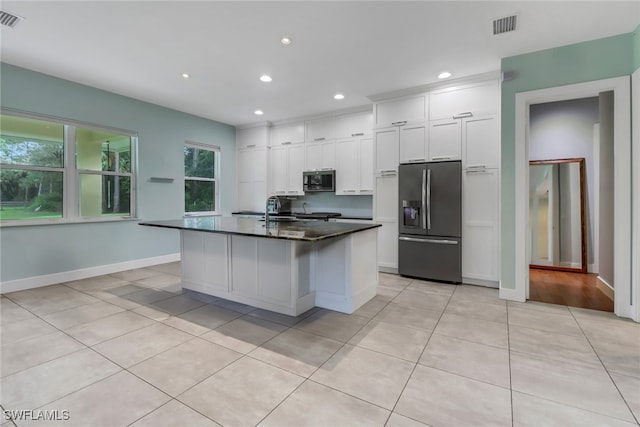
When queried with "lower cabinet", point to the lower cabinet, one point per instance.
{"points": [[204, 261], [480, 226], [261, 269], [386, 213]]}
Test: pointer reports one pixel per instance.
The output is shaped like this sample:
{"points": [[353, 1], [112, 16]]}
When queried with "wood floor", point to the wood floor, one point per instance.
{"points": [[573, 289]]}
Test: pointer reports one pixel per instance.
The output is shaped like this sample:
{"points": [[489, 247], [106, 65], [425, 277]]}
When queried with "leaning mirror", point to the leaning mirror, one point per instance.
{"points": [[557, 214]]}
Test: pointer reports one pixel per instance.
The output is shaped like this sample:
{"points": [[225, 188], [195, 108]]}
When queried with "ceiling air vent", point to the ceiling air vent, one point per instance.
{"points": [[504, 25], [9, 19]]}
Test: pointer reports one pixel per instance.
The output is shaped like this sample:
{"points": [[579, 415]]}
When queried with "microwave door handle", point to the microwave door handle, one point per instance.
{"points": [[424, 198]]}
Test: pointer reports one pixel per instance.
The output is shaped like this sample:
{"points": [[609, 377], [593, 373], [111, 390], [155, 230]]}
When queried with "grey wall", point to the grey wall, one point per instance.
{"points": [[561, 130], [39, 250], [606, 188]]}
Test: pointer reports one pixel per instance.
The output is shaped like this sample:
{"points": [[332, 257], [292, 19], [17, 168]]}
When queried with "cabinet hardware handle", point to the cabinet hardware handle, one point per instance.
{"points": [[477, 167], [251, 146], [463, 115], [348, 191], [327, 169], [445, 124], [357, 134], [476, 171], [286, 143], [441, 158], [416, 160], [440, 242], [400, 123], [322, 138]]}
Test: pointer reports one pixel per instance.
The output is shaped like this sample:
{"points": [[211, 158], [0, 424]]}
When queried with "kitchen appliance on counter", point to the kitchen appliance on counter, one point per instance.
{"points": [[278, 205], [429, 245], [321, 180]]}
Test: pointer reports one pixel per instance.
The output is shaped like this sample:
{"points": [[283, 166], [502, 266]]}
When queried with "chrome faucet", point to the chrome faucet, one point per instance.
{"points": [[266, 211]]}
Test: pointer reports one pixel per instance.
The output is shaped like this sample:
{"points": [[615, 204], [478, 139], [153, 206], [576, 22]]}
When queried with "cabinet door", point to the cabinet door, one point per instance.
{"points": [[347, 167], [313, 155], [480, 224], [388, 244], [477, 99], [245, 165], [481, 141], [398, 110], [445, 140], [259, 196], [252, 137], [328, 149], [356, 124], [216, 262], [413, 143], [321, 129], [295, 166], [366, 165], [244, 266], [245, 196], [279, 170], [290, 133], [274, 271], [386, 150]]}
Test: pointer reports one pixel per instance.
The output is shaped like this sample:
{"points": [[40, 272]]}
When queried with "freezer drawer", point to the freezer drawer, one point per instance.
{"points": [[435, 258]]}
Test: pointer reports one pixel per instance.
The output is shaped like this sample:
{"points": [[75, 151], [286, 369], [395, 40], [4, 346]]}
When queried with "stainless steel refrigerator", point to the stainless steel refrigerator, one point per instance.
{"points": [[430, 221]]}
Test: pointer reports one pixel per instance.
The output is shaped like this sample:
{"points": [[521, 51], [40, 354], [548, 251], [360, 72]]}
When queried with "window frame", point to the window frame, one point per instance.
{"points": [[215, 179], [71, 173]]}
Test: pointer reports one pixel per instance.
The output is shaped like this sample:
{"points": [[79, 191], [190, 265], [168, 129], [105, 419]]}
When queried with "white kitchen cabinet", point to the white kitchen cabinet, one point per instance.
{"points": [[251, 168], [289, 133], [287, 165], [413, 143], [320, 155], [445, 140], [386, 145], [204, 266], [355, 124], [404, 110], [252, 137], [386, 213], [354, 166], [465, 100], [480, 226], [295, 168], [481, 142], [321, 129]]}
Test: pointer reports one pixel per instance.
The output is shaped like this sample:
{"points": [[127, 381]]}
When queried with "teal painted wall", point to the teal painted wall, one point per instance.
{"points": [[577, 63], [636, 48], [39, 250]]}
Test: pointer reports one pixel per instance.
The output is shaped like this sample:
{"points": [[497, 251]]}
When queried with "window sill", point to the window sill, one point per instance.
{"points": [[29, 223]]}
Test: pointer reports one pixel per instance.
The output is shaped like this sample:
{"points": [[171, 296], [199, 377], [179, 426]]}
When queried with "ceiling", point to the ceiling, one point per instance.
{"points": [[140, 48]]}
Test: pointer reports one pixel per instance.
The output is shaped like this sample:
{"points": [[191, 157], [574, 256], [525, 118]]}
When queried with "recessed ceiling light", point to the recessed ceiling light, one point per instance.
{"points": [[444, 75], [185, 75], [338, 96], [258, 112], [265, 78], [286, 41]]}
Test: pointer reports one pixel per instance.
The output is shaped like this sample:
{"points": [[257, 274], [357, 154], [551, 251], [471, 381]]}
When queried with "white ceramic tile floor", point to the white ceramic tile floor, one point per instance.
{"points": [[132, 349]]}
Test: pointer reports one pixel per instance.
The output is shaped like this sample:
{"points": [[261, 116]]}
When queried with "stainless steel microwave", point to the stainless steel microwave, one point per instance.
{"points": [[323, 180]]}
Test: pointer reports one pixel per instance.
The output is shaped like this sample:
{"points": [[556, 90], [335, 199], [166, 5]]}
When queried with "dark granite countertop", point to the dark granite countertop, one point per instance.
{"points": [[292, 230]]}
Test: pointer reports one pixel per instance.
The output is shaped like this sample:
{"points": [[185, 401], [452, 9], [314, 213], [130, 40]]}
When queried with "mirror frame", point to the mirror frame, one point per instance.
{"points": [[583, 214]]}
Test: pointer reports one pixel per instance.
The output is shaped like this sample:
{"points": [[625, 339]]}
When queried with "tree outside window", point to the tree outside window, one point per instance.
{"points": [[200, 178]]}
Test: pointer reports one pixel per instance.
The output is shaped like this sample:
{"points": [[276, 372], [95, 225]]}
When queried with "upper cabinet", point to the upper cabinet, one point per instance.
{"points": [[252, 137], [481, 142], [355, 124], [321, 129], [399, 111], [464, 101], [289, 133]]}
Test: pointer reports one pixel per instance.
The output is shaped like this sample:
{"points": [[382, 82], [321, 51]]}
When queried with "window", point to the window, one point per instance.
{"points": [[59, 171], [201, 164]]}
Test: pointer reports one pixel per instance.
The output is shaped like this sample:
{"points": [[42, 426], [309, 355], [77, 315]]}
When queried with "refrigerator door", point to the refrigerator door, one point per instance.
{"points": [[412, 189], [444, 199], [432, 258]]}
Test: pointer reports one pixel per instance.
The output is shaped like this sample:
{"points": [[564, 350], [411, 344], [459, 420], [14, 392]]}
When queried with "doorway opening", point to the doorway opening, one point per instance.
{"points": [[570, 163]]}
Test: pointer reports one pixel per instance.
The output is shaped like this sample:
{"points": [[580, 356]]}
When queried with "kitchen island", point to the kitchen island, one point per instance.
{"points": [[288, 266]]}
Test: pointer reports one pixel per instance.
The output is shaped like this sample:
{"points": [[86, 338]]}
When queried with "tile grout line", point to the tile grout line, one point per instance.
{"points": [[606, 370]]}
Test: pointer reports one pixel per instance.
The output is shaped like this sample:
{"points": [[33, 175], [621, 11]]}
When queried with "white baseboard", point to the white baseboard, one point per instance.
{"points": [[390, 270], [606, 288], [511, 294], [480, 282], [83, 273]]}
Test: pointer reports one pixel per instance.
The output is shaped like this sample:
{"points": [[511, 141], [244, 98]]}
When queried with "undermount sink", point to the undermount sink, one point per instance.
{"points": [[279, 219]]}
